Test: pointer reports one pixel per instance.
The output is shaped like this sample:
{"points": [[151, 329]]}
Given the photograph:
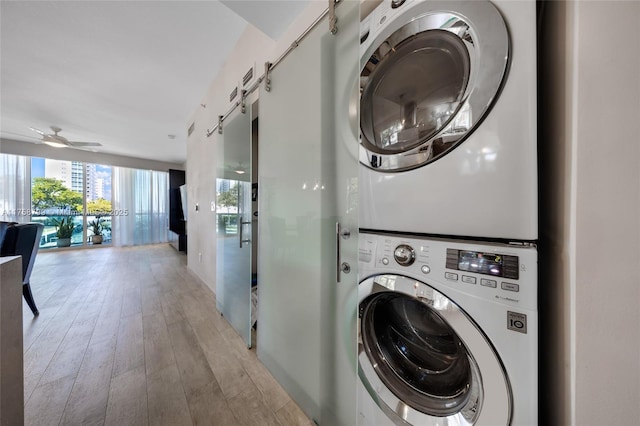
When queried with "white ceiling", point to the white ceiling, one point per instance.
{"points": [[126, 74]]}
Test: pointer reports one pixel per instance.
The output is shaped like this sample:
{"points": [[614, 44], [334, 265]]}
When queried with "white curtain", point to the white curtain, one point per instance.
{"points": [[141, 206], [15, 188]]}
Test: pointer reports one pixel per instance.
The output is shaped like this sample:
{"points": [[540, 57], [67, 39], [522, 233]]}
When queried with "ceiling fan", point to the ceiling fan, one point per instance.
{"points": [[57, 141]]}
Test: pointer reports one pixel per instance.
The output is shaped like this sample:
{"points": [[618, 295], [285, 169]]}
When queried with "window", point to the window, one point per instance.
{"points": [[72, 207]]}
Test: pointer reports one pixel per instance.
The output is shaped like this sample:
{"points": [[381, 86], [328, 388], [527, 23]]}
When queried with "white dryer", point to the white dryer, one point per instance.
{"points": [[448, 119], [447, 332]]}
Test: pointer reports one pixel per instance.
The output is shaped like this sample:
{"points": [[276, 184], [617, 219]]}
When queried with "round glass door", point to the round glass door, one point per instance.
{"points": [[423, 360], [420, 357], [427, 85], [414, 93]]}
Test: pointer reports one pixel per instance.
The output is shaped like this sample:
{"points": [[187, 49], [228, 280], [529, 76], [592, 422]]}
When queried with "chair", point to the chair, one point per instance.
{"points": [[3, 229], [23, 239]]}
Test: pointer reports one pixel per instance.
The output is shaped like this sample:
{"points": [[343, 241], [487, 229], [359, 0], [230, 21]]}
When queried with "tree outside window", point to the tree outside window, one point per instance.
{"points": [[50, 193]]}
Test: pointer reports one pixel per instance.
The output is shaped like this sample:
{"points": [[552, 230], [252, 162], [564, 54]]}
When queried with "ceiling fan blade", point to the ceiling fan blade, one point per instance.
{"points": [[84, 144], [38, 131], [37, 139]]}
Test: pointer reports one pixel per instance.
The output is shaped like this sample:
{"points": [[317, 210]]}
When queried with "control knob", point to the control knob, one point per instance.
{"points": [[404, 254]]}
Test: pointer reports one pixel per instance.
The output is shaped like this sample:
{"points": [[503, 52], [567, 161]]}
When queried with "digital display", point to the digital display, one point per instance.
{"points": [[480, 263], [494, 264]]}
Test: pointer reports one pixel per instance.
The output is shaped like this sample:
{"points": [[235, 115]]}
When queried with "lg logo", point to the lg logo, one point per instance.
{"points": [[517, 322]]}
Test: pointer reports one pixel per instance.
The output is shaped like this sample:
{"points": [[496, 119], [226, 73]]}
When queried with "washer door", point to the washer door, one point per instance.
{"points": [[425, 87], [422, 359]]}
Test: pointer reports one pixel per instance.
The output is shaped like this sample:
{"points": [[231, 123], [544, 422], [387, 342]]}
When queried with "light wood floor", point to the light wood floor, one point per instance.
{"points": [[126, 336]]}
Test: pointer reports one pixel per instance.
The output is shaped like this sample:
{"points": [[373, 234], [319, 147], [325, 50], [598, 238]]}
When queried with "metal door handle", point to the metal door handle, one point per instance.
{"points": [[241, 240], [240, 213]]}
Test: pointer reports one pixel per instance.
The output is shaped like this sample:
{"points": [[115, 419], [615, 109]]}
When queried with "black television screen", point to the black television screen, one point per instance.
{"points": [[176, 219]]}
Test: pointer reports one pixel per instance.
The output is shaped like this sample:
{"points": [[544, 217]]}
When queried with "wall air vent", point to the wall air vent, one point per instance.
{"points": [[191, 128], [233, 94], [247, 77]]}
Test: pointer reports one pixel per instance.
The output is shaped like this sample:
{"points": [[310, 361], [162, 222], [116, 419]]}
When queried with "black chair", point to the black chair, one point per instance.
{"points": [[23, 239], [3, 229]]}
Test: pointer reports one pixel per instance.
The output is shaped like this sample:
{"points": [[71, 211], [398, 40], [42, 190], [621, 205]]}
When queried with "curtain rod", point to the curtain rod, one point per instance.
{"points": [[269, 66]]}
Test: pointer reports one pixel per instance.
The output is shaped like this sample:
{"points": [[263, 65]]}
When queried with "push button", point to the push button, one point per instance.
{"points": [[385, 261], [469, 280], [425, 269], [510, 286], [488, 283], [451, 276]]}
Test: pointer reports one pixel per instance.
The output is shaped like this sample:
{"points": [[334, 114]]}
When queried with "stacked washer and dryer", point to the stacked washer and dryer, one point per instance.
{"points": [[448, 318]]}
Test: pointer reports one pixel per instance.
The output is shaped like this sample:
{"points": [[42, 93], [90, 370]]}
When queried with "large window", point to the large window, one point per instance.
{"points": [[98, 203], [73, 201], [82, 204]]}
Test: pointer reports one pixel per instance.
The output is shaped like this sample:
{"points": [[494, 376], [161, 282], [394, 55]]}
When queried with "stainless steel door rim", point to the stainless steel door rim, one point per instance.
{"points": [[425, 85]]}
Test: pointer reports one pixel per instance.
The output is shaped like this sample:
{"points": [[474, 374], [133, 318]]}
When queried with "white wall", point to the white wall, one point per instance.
{"points": [[253, 47], [607, 293], [590, 211]]}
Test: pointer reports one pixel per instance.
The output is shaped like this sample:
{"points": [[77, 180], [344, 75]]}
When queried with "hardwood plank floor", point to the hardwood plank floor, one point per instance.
{"points": [[126, 336], [88, 400]]}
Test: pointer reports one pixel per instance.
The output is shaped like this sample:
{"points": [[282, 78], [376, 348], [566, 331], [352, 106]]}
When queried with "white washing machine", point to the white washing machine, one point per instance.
{"points": [[447, 332], [448, 119]]}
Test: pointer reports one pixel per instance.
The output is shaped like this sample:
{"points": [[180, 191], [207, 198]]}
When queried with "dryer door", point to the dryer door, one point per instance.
{"points": [[427, 83], [423, 359]]}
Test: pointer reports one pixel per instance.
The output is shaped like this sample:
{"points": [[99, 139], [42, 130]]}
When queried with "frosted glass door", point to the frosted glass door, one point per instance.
{"points": [[308, 188], [233, 224]]}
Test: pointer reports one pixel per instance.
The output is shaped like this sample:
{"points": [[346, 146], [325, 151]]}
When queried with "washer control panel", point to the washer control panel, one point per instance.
{"points": [[504, 273]]}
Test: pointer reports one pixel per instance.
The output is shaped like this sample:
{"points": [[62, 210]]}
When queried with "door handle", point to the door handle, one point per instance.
{"points": [[240, 214], [240, 233]]}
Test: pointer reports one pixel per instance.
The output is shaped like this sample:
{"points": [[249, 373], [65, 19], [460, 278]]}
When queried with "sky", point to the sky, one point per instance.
{"points": [[37, 167]]}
